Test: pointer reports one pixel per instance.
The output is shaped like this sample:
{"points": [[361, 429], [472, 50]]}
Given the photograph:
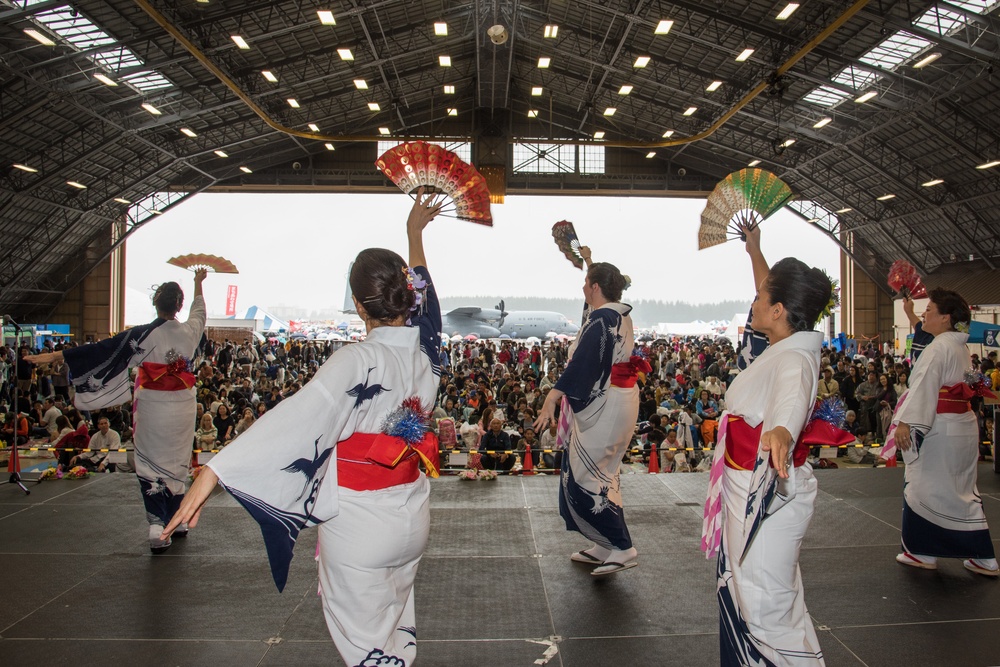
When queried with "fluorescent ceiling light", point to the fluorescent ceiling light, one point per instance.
{"points": [[786, 12], [151, 109], [105, 80], [787, 142], [240, 42], [845, 210], [536, 90], [156, 211], [651, 154], [753, 163], [314, 127], [544, 62], [823, 122], [24, 167], [989, 165], [292, 102], [269, 75], [532, 113], [610, 111], [41, 38], [444, 61], [246, 170], [744, 55], [641, 62], [452, 111], [75, 184], [867, 96], [188, 132], [326, 17], [551, 31], [374, 106], [714, 86], [449, 90], [690, 110], [122, 200], [329, 146], [361, 84], [936, 181], [221, 153], [383, 130], [625, 90], [345, 54], [926, 60], [668, 134], [663, 27], [885, 197], [599, 134], [441, 29]]}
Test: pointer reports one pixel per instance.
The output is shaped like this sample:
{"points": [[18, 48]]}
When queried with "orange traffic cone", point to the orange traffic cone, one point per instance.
{"points": [[14, 463], [891, 461], [527, 466], [654, 460]]}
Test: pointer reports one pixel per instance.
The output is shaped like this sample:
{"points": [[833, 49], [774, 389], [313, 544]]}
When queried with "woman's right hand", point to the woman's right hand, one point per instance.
{"points": [[751, 235], [423, 211], [194, 500]]}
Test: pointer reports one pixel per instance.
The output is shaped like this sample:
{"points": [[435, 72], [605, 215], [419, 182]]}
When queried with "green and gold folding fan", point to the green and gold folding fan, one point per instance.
{"points": [[743, 198]]}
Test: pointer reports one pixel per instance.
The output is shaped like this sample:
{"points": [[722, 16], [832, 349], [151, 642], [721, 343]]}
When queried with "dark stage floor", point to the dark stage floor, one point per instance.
{"points": [[80, 586]]}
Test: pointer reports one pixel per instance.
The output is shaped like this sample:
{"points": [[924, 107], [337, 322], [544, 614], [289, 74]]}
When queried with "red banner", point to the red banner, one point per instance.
{"points": [[231, 300]]}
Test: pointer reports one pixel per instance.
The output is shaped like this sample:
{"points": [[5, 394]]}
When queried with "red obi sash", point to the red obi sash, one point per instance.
{"points": [[626, 374], [164, 377], [743, 441], [955, 399], [373, 461]]}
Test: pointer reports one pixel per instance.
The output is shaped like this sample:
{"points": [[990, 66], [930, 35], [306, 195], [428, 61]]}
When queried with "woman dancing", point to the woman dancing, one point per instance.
{"points": [[761, 489], [602, 403], [936, 429], [343, 453], [164, 403]]}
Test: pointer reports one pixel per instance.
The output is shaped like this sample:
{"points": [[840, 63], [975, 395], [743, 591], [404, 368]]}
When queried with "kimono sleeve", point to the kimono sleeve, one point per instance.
{"points": [[588, 367], [100, 370], [919, 409], [282, 470], [428, 320], [792, 395]]}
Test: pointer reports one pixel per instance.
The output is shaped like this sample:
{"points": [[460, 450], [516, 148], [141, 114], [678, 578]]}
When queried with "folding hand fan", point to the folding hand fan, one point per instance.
{"points": [[904, 279], [417, 164], [566, 239], [746, 197], [210, 262]]}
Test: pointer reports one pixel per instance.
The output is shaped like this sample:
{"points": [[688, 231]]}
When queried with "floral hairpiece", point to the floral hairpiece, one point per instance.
{"points": [[628, 282], [833, 302], [962, 327]]}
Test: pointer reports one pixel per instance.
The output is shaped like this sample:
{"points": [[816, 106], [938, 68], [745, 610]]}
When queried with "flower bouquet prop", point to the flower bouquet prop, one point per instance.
{"points": [[77, 472], [51, 473], [468, 475]]}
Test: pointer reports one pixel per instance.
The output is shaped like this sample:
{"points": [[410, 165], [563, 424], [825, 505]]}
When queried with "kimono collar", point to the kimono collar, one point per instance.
{"points": [[622, 309], [807, 341], [394, 336], [956, 336]]}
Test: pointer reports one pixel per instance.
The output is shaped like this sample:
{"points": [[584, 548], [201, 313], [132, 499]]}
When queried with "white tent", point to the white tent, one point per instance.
{"points": [[265, 320], [734, 331], [696, 328]]}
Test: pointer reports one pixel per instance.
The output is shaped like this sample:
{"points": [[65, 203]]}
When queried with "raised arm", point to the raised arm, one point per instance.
{"points": [[757, 261], [585, 254], [910, 315], [424, 210], [199, 278]]}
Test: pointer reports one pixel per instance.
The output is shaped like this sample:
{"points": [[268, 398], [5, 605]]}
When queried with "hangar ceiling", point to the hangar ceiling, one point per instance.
{"points": [[880, 115]]}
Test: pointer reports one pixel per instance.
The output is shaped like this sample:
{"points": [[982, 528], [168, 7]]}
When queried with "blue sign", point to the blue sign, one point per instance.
{"points": [[990, 337]]}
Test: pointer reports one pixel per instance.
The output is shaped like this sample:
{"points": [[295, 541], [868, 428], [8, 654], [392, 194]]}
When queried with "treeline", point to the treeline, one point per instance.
{"points": [[645, 313]]}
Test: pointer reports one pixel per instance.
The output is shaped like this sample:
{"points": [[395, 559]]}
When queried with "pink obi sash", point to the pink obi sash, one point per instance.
{"points": [[373, 461]]}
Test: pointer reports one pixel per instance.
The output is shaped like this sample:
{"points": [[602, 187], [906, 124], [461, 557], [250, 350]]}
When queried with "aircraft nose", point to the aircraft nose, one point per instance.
{"points": [[572, 328]]}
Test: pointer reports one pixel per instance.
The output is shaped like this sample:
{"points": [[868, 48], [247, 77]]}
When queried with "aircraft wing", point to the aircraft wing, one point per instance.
{"points": [[465, 311]]}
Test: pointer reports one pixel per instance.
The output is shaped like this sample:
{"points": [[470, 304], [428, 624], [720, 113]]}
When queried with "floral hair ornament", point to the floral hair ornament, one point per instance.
{"points": [[962, 327], [833, 302], [417, 285], [628, 282]]}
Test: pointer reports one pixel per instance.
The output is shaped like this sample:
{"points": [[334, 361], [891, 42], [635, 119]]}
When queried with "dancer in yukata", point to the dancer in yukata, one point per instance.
{"points": [[936, 430], [600, 404], [164, 403], [761, 489], [344, 452]]}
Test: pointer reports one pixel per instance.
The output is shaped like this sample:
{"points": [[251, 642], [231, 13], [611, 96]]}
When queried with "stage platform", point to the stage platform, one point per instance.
{"points": [[81, 588]]}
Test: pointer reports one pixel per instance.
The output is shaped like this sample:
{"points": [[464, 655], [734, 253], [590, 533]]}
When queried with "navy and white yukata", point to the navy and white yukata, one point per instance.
{"points": [[283, 470]]}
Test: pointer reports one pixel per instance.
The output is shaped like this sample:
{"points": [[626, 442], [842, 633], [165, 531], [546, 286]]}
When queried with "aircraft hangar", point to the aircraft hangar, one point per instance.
{"points": [[879, 115]]}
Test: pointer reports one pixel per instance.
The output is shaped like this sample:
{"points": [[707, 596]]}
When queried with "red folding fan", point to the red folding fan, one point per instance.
{"points": [[904, 279], [417, 164], [209, 262]]}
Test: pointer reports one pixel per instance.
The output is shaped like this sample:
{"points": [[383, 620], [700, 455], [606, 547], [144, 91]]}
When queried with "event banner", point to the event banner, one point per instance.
{"points": [[231, 301]]}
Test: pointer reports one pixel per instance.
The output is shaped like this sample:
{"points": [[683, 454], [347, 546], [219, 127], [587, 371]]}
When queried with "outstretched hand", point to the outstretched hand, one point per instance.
{"points": [[199, 276], [194, 500], [777, 441], [424, 210]]}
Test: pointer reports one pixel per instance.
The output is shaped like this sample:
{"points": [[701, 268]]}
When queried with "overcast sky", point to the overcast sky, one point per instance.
{"points": [[294, 249]]}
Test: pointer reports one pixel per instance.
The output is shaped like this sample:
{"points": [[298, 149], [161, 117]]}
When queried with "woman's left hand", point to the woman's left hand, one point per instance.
{"points": [[777, 441], [424, 210]]}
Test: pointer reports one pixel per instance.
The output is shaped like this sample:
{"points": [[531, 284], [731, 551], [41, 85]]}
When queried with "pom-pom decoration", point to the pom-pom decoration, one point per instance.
{"points": [[825, 427], [831, 410], [409, 421], [980, 383], [419, 164]]}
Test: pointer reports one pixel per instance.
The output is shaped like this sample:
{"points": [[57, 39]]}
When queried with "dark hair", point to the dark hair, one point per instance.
{"points": [[378, 281], [608, 278], [803, 291], [168, 298], [951, 303]]}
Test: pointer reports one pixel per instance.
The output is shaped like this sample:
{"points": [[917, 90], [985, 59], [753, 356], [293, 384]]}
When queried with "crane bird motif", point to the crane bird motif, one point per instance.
{"points": [[362, 392], [309, 467]]}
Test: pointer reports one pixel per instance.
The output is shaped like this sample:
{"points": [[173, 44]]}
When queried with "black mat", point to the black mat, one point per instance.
{"points": [[495, 588]]}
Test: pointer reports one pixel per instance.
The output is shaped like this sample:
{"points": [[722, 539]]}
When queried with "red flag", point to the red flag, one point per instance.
{"points": [[231, 300]]}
